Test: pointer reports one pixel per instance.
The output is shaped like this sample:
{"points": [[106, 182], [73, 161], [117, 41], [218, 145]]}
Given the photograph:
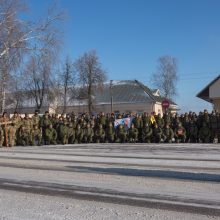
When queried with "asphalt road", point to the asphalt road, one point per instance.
{"points": [[172, 180]]}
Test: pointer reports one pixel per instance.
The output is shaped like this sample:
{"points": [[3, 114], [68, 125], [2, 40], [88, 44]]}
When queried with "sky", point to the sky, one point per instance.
{"points": [[130, 35]]}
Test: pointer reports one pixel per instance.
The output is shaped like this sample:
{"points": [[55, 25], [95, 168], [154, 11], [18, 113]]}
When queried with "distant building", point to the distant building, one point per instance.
{"points": [[211, 93], [118, 96]]}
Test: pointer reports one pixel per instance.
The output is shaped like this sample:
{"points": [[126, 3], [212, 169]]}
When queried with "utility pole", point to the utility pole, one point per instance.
{"points": [[111, 94]]}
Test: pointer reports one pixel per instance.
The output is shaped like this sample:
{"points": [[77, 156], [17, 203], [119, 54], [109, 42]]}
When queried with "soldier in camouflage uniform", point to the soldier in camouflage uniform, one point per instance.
{"points": [[71, 133], [13, 129], [27, 123], [100, 134], [138, 123], [204, 133], [168, 134], [50, 135], [63, 132], [146, 133], [180, 133], [5, 122], [1, 136], [23, 136], [36, 136], [193, 132], [45, 121], [159, 121], [214, 125], [79, 134], [110, 133], [157, 134], [36, 119], [132, 134], [88, 134], [121, 134]]}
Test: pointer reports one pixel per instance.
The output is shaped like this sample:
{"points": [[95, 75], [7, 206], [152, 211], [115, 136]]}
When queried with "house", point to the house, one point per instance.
{"points": [[115, 96], [123, 96], [211, 93]]}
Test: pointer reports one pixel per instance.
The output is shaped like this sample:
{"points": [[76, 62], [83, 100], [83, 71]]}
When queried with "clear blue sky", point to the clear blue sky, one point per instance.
{"points": [[130, 35]]}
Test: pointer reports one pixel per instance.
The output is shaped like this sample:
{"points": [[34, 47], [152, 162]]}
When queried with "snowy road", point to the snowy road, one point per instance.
{"points": [[183, 180]]}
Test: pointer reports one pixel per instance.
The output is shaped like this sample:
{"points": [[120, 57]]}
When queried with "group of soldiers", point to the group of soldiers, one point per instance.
{"points": [[145, 128]]}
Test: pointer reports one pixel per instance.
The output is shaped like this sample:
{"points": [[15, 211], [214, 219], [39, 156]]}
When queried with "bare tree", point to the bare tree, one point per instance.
{"points": [[17, 37], [166, 76], [91, 75], [67, 81]]}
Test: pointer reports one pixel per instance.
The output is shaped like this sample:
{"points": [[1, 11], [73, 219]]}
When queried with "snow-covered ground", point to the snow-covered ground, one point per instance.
{"points": [[110, 181]]}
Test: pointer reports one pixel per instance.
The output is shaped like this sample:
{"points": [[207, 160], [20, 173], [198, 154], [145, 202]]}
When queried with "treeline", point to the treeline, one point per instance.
{"points": [[30, 66]]}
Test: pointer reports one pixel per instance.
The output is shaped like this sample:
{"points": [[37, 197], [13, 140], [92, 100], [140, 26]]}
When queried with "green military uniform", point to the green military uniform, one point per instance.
{"points": [[157, 134], [1, 136], [88, 134], [36, 119], [79, 134], [50, 135], [100, 135], [168, 134], [110, 133], [63, 133], [159, 121], [204, 133], [193, 132], [132, 134], [71, 133], [36, 136], [121, 134], [23, 136], [146, 133], [180, 134], [45, 121]]}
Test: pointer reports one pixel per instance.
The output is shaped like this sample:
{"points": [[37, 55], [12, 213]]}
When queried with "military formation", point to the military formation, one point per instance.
{"points": [[72, 129]]}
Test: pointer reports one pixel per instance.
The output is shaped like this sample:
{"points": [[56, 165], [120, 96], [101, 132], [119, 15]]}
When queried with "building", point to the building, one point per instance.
{"points": [[115, 96], [211, 93], [122, 96]]}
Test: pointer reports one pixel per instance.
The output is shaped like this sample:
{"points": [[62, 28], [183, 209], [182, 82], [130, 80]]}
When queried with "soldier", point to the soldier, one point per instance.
{"points": [[27, 123], [100, 134], [102, 120], [36, 136], [79, 134], [159, 121], [138, 123], [88, 134], [12, 135], [1, 136], [50, 135], [157, 134], [121, 134], [71, 133], [23, 136], [167, 118], [63, 132], [146, 133], [214, 125], [5, 126], [44, 124], [193, 132], [146, 118], [204, 133], [110, 133], [180, 134], [168, 134], [132, 134], [36, 118]]}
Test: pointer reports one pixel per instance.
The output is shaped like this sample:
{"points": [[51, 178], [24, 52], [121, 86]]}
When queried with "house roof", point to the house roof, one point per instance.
{"points": [[204, 93], [127, 91]]}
